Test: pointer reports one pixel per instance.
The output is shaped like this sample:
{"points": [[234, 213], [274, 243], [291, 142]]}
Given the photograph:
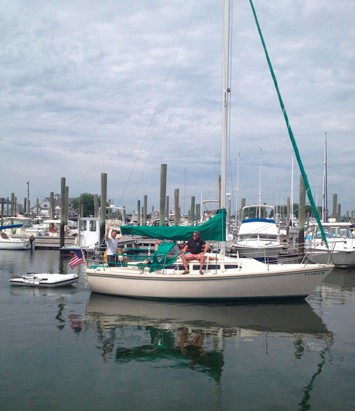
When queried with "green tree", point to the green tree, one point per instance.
{"points": [[86, 200]]}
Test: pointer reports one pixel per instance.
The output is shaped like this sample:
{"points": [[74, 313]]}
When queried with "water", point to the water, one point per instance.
{"points": [[68, 349]]}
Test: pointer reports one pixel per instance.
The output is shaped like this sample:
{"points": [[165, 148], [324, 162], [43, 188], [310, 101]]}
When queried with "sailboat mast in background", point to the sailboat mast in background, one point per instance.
{"points": [[325, 183]]}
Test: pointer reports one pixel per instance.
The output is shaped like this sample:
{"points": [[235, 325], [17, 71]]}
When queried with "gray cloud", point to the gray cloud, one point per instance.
{"points": [[122, 87]]}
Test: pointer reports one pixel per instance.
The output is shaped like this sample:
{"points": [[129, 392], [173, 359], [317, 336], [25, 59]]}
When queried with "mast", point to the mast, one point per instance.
{"points": [[225, 97], [325, 183], [226, 94], [259, 197], [237, 192]]}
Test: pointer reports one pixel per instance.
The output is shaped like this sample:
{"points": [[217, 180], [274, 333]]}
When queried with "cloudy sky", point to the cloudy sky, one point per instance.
{"points": [[122, 86]]}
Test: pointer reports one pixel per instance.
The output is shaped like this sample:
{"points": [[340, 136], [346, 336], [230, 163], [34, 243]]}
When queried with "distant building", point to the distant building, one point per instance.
{"points": [[42, 208]]}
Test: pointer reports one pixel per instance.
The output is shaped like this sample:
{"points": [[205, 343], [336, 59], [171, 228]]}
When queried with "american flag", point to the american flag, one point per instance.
{"points": [[77, 259]]}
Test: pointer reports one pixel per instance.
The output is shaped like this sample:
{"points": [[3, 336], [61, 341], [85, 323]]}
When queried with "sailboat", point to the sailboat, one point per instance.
{"points": [[340, 246], [159, 275]]}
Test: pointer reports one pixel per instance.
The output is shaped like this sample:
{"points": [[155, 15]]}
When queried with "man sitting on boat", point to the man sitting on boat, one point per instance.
{"points": [[196, 247]]}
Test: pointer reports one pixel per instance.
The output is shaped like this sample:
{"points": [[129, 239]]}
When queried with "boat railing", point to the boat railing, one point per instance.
{"points": [[138, 257], [318, 248]]}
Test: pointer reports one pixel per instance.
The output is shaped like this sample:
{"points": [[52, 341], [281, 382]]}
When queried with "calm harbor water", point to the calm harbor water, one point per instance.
{"points": [[68, 349]]}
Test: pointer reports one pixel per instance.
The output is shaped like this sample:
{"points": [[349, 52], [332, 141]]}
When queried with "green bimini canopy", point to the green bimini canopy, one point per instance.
{"points": [[165, 255], [212, 230]]}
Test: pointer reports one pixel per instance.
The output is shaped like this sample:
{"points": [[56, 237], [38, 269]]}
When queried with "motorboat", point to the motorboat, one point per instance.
{"points": [[9, 243], [258, 235], [339, 249], [44, 280]]}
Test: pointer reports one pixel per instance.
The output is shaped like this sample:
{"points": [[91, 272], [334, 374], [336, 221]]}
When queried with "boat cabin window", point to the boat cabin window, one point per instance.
{"points": [[93, 225], [326, 232], [83, 225], [336, 232], [258, 237], [262, 211], [344, 232]]}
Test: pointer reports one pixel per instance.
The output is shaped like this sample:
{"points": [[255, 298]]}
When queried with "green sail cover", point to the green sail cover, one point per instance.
{"points": [[212, 230]]}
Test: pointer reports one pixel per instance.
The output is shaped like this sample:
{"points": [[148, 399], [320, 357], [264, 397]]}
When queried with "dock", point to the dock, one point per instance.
{"points": [[52, 243]]}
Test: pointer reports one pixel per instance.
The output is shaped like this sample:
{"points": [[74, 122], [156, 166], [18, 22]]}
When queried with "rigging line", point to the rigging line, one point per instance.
{"points": [[290, 132], [157, 105], [171, 70]]}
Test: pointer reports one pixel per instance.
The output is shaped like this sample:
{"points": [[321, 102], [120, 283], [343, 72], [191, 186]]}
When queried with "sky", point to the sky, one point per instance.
{"points": [[122, 87]]}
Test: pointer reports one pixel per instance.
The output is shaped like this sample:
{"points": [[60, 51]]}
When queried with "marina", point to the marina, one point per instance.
{"points": [[201, 356], [228, 303]]}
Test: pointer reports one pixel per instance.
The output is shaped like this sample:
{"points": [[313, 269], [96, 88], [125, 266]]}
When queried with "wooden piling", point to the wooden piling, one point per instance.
{"points": [[176, 207], [139, 212], [96, 205], [2, 211], [335, 206], [163, 174], [145, 210], [301, 217], [288, 214], [13, 205], [51, 205], [103, 206], [167, 207], [192, 210], [62, 212]]}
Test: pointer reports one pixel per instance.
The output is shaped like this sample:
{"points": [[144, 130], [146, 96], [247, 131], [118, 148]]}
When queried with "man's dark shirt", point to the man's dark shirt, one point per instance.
{"points": [[195, 246]]}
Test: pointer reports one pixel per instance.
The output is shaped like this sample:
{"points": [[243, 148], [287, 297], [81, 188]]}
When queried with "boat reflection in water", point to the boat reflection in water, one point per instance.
{"points": [[337, 289], [193, 335]]}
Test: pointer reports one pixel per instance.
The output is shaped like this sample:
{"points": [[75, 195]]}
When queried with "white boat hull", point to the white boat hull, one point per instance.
{"points": [[341, 245], [258, 235], [44, 280], [15, 244], [263, 251], [340, 258], [252, 280]]}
